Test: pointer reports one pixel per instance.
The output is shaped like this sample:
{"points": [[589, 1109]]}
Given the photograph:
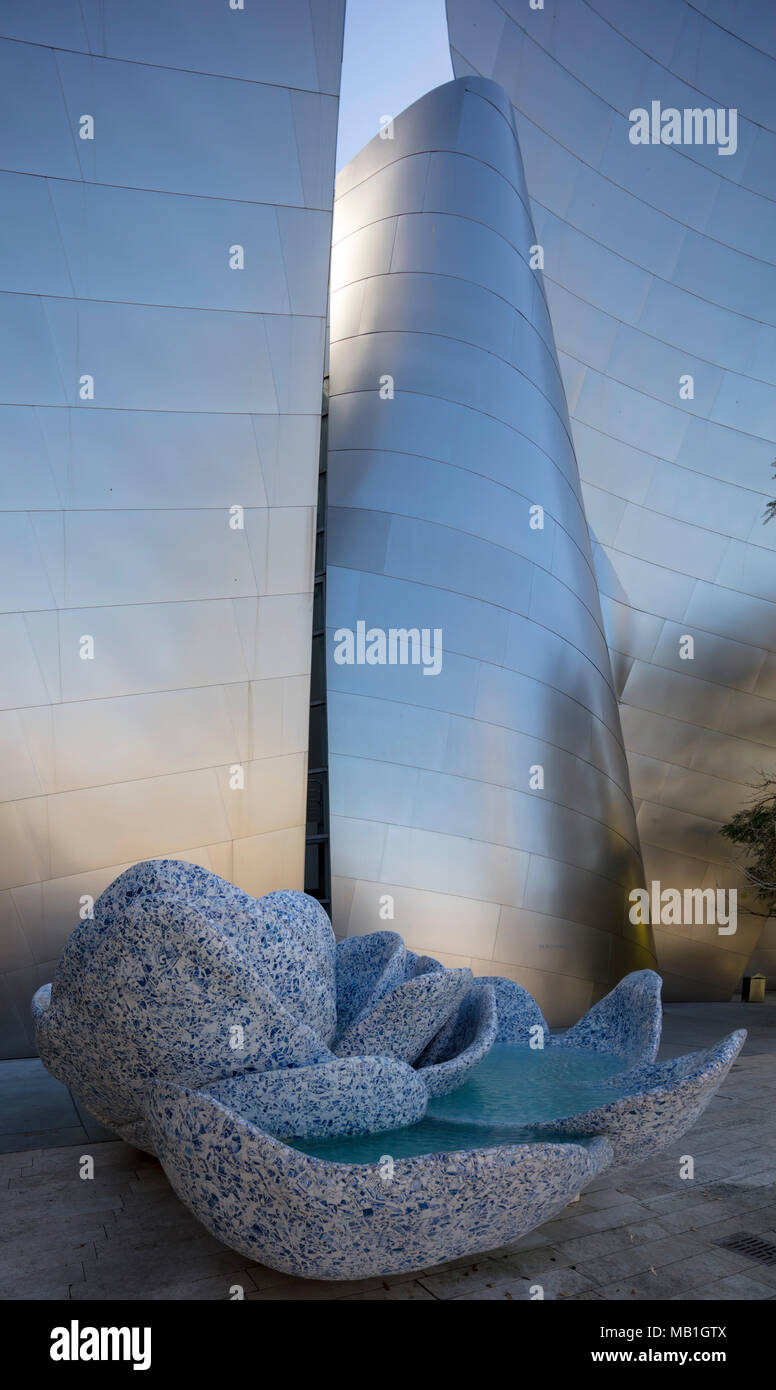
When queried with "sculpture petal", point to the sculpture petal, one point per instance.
{"points": [[286, 937], [627, 1021], [154, 985], [349, 1095], [467, 1036], [176, 988], [664, 1100], [294, 950], [367, 968], [404, 1021], [324, 1220], [518, 1011]]}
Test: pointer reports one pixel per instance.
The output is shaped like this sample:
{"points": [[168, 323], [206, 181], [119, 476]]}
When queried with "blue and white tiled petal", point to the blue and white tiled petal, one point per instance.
{"points": [[325, 1220], [627, 1022], [663, 1101]]}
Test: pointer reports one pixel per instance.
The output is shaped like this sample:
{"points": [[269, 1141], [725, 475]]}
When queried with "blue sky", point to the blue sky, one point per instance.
{"points": [[395, 50]]}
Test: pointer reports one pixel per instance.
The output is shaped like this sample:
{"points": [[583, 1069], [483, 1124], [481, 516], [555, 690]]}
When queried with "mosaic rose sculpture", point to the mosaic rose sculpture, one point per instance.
{"points": [[207, 1027]]}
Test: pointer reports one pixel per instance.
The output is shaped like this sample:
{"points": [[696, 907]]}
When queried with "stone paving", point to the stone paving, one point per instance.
{"points": [[643, 1233]]}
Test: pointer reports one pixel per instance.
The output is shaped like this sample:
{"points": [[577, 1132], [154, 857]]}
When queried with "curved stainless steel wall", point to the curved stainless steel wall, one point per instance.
{"points": [[429, 527], [659, 263], [210, 131]]}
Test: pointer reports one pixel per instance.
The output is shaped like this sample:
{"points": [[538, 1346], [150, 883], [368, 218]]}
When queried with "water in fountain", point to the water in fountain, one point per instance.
{"points": [[510, 1090]]}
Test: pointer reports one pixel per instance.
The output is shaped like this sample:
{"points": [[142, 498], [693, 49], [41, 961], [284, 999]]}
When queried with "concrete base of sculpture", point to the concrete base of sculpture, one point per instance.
{"points": [[208, 1027]]}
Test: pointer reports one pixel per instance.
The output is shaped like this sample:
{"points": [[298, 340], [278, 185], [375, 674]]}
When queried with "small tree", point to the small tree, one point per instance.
{"points": [[755, 830]]}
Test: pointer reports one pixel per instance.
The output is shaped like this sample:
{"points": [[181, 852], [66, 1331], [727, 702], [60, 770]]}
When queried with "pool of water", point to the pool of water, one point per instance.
{"points": [[508, 1092]]}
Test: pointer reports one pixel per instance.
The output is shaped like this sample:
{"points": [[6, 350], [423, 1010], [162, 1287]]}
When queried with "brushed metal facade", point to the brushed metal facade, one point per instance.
{"points": [[659, 262], [213, 128], [447, 425]]}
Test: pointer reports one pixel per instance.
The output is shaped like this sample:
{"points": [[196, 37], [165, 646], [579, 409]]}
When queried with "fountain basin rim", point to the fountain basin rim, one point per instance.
{"points": [[596, 1144]]}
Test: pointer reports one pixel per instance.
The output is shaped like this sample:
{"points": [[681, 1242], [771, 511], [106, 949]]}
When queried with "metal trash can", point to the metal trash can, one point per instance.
{"points": [[753, 989]]}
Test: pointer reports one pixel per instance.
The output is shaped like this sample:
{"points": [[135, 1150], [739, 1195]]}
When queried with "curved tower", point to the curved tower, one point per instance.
{"points": [[660, 280], [480, 801]]}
